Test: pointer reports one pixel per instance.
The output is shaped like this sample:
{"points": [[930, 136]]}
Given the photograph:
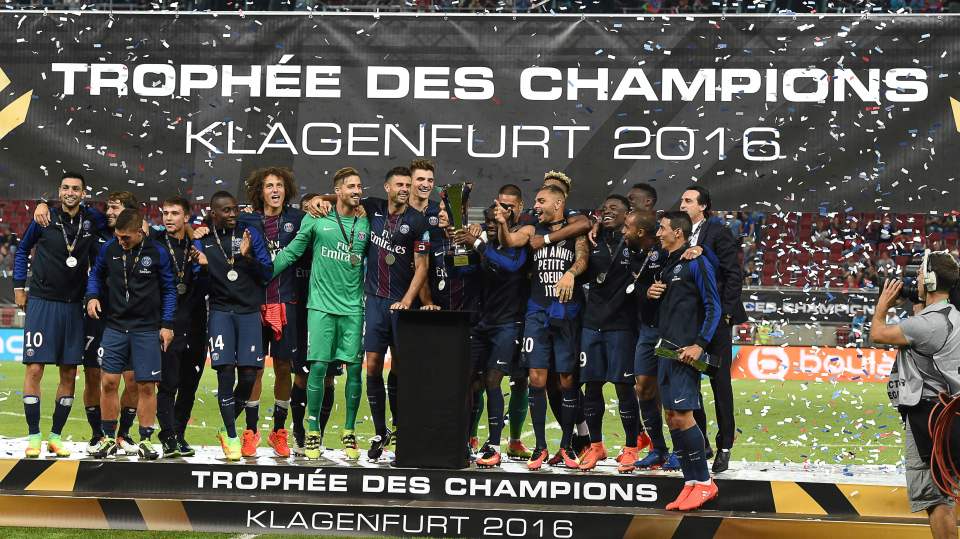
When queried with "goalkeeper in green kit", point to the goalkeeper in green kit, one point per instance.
{"points": [[334, 302]]}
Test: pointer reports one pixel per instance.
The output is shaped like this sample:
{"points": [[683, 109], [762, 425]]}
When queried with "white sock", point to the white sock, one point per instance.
{"points": [[583, 429]]}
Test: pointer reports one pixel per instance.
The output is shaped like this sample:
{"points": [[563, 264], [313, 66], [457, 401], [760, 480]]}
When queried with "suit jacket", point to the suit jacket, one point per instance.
{"points": [[723, 250]]}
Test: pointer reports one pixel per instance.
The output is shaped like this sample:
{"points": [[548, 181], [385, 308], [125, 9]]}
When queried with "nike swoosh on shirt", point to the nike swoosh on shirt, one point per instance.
{"points": [[377, 214], [154, 373], [327, 228], [675, 401]]}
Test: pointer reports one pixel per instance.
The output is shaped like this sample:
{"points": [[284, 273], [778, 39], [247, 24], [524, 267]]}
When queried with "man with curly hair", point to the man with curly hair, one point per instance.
{"points": [[283, 314]]}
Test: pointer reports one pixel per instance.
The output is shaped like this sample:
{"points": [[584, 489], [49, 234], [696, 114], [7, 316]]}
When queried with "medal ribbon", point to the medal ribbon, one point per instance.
{"points": [[126, 285]]}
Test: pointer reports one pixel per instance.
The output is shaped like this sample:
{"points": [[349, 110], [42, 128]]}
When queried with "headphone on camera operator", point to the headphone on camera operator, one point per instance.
{"points": [[928, 359]]}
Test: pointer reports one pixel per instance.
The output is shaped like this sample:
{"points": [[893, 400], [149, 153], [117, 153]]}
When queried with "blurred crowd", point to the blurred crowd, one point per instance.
{"points": [[837, 250]]}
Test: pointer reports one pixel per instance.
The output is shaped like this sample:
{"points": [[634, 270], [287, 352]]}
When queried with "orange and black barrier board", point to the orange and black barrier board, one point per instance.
{"points": [[240, 516]]}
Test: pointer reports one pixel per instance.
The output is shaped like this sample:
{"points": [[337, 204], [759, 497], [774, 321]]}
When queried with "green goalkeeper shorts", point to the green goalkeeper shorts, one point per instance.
{"points": [[334, 337]]}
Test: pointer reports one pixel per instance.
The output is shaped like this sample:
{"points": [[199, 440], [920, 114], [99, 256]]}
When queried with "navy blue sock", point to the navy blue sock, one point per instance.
{"points": [[61, 411], [226, 376], [495, 414], [298, 410], [392, 397], [127, 415], [94, 419], [680, 449], [628, 413], [109, 428], [31, 409], [568, 415], [280, 409], [252, 408], [555, 400], [538, 414], [376, 395], [697, 461], [145, 433], [593, 411], [653, 424]]}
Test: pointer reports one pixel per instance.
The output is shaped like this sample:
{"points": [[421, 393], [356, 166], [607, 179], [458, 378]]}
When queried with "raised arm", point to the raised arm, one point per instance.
{"points": [[577, 225]]}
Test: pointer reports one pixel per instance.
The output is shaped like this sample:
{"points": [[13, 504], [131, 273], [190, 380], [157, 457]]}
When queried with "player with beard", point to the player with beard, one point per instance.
{"points": [[238, 266], [135, 273], [551, 329], [334, 303], [687, 317], [117, 201], [269, 191], [397, 265], [608, 337], [494, 339], [184, 359], [577, 223], [62, 249]]}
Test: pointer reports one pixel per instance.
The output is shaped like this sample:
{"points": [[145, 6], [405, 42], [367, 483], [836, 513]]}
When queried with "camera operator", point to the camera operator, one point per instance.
{"points": [[927, 362]]}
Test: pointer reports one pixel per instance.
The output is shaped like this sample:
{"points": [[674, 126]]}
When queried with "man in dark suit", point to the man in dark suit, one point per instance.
{"points": [[712, 238]]}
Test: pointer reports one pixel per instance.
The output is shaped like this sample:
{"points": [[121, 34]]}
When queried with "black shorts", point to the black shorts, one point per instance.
{"points": [[292, 344], [497, 347]]}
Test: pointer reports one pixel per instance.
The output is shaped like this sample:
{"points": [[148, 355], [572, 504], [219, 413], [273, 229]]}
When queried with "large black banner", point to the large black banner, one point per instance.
{"points": [[785, 112]]}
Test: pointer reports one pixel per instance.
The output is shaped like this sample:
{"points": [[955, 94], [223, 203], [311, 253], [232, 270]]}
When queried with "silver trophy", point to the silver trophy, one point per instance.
{"points": [[455, 197]]}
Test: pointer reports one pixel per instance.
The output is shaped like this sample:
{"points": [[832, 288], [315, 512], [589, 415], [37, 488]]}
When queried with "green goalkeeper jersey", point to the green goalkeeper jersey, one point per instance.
{"points": [[336, 281]]}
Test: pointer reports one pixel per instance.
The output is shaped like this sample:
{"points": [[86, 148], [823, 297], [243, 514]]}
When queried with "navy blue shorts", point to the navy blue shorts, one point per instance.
{"points": [[92, 337], [292, 343], [607, 356], [497, 348], [53, 332], [379, 325], [645, 363], [140, 349], [679, 385], [553, 346], [235, 339]]}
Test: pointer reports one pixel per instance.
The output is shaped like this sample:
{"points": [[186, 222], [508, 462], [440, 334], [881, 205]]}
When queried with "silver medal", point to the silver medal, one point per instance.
{"points": [[232, 275], [601, 277], [71, 261], [390, 259], [630, 288], [181, 289], [355, 259], [441, 285]]}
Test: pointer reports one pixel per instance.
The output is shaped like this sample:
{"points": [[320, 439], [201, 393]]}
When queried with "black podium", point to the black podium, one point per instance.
{"points": [[434, 400]]}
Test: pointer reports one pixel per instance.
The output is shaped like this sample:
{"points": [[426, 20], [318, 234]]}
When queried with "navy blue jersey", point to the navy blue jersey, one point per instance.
{"points": [[186, 272], [689, 309], [51, 278], [608, 274], [246, 294], [395, 236], [506, 286], [549, 264], [454, 287], [290, 282], [432, 213], [139, 284], [649, 270]]}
